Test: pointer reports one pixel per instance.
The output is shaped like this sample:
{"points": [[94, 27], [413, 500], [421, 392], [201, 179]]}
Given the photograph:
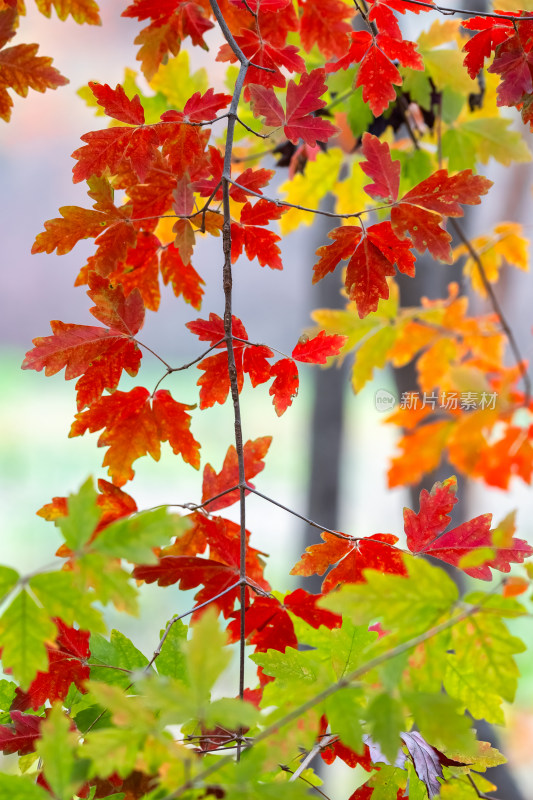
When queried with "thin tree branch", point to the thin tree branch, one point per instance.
{"points": [[175, 619], [300, 516], [170, 369], [342, 683], [227, 279]]}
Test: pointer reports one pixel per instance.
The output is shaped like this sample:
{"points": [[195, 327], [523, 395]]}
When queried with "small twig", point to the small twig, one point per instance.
{"points": [[480, 794], [175, 619], [253, 156], [305, 780], [259, 344], [300, 516], [251, 130], [318, 747], [162, 360], [170, 369]]}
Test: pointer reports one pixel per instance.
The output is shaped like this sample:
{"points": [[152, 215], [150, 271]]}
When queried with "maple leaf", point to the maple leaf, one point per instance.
{"points": [[267, 626], [424, 533], [65, 666], [63, 233], [171, 22], [22, 69], [372, 255], [256, 241], [202, 107], [285, 386], [302, 100], [513, 62], [351, 556], [114, 148], [215, 383], [259, 51], [140, 270], [319, 348], [380, 167], [304, 605], [217, 573], [20, 737], [492, 32], [98, 354], [80, 10], [421, 450], [134, 427], [377, 73], [214, 483], [330, 38], [184, 279], [420, 211]]}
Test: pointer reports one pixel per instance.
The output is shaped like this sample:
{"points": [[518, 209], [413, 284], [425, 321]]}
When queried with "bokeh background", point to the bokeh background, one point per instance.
{"points": [[38, 461]]}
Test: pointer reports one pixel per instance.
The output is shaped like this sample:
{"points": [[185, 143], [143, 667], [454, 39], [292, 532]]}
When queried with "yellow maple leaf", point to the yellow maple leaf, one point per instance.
{"points": [[504, 245], [309, 189]]}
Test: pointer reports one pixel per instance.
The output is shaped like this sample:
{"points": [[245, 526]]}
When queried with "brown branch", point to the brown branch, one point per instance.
{"points": [[227, 279], [170, 369], [175, 619], [342, 683]]}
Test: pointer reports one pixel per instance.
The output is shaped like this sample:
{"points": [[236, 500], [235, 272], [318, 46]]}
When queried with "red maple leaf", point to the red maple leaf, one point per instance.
{"points": [[371, 260], [116, 103], [492, 32], [171, 22], [20, 737], [302, 100], [378, 73], [140, 270], [285, 386], [216, 574], [513, 62], [252, 359], [304, 605], [21, 68], [134, 427], [183, 278], [98, 354], [112, 148], [250, 179], [381, 168], [325, 23], [420, 213], [267, 626], [351, 556], [256, 241], [203, 107], [319, 348], [261, 52], [66, 665], [214, 483], [424, 533]]}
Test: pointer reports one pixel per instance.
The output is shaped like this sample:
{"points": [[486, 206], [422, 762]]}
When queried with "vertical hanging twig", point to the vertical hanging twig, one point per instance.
{"points": [[227, 279]]}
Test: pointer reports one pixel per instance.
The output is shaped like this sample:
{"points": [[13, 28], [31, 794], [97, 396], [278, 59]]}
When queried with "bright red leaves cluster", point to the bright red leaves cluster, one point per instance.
{"points": [[252, 359], [134, 424], [417, 221], [425, 535], [472, 546], [302, 100]]}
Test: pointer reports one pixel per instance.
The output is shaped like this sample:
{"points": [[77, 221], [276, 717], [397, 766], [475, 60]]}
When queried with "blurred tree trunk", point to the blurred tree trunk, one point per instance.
{"points": [[327, 435]]}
